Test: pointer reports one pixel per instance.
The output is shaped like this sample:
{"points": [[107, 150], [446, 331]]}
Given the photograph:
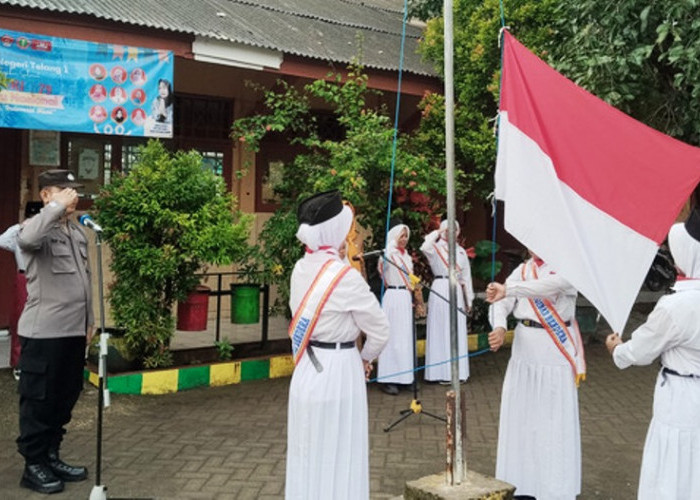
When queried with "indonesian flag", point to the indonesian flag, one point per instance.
{"points": [[590, 190]]}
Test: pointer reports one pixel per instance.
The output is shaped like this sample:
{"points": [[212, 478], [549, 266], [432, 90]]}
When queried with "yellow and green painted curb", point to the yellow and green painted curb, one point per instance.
{"points": [[226, 373]]}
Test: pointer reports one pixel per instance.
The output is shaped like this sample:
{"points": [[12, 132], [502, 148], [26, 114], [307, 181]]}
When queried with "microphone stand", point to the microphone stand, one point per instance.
{"points": [[415, 408], [99, 491]]}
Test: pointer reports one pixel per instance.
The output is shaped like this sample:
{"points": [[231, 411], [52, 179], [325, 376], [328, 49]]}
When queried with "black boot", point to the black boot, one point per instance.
{"points": [[40, 477], [66, 472]]}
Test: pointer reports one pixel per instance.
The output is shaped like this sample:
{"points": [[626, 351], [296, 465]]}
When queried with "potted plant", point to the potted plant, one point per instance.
{"points": [[163, 221]]}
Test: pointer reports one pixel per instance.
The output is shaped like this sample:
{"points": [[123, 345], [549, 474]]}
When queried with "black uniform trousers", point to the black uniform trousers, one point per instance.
{"points": [[49, 387]]}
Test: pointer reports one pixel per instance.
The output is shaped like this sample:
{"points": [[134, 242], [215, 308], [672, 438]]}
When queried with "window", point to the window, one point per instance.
{"points": [[90, 160], [269, 164], [275, 152], [201, 123]]}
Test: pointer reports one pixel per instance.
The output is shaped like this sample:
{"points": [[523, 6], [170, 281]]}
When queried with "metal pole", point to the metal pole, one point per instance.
{"points": [[457, 464], [218, 307], [99, 491]]}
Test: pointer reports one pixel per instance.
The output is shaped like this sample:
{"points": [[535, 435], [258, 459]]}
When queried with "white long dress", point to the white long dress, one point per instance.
{"points": [[539, 440], [327, 443], [397, 303], [671, 461], [437, 345]]}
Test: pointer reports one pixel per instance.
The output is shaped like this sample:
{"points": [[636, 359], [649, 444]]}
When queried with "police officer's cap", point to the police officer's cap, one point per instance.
{"points": [[58, 177], [320, 208]]}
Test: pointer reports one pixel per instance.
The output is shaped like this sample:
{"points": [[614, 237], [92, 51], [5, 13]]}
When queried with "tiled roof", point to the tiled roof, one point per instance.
{"points": [[331, 30]]}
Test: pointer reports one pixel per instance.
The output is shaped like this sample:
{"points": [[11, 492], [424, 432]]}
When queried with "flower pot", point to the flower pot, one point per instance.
{"points": [[192, 314], [118, 358], [245, 303]]}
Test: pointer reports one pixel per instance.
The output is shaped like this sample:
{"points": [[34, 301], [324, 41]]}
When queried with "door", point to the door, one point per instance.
{"points": [[10, 167]]}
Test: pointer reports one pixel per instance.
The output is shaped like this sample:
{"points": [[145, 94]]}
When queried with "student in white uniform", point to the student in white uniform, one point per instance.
{"points": [[397, 303], [671, 460], [539, 437], [327, 422], [437, 345]]}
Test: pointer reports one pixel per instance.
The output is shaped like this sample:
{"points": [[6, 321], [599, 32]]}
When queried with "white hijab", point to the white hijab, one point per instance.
{"points": [[330, 233], [444, 226], [392, 237], [685, 250]]}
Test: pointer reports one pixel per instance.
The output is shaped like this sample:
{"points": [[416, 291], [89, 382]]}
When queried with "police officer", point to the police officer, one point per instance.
{"points": [[52, 329]]}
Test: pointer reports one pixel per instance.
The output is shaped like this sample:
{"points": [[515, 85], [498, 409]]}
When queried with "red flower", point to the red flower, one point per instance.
{"points": [[471, 253]]}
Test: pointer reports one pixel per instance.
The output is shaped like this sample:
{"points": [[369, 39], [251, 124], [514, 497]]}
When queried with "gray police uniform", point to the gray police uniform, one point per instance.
{"points": [[52, 329]]}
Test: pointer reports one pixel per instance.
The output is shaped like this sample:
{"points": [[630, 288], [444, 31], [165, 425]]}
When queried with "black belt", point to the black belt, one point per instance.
{"points": [[332, 345], [440, 277], [397, 287], [325, 345], [534, 324], [669, 371]]}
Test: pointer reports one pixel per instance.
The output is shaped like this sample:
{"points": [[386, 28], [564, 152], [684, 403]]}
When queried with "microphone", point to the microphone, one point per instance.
{"points": [[368, 254], [88, 221]]}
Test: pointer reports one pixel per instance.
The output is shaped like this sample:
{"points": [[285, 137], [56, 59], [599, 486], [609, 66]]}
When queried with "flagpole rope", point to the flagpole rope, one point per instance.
{"points": [[394, 142], [423, 367]]}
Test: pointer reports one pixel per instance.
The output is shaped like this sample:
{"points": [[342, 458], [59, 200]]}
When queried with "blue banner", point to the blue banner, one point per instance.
{"points": [[77, 86]]}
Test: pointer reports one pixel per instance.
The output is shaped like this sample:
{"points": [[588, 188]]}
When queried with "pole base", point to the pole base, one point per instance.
{"points": [[99, 492], [474, 487]]}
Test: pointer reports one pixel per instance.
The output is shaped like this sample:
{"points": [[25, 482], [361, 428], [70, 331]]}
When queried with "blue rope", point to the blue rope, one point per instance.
{"points": [[503, 15], [423, 367], [396, 128]]}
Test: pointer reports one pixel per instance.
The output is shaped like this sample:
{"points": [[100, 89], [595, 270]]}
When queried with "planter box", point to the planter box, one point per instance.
{"points": [[181, 378], [253, 366]]}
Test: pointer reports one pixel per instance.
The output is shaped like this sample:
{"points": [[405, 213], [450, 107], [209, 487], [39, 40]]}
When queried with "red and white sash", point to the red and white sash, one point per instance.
{"points": [[309, 310], [571, 347], [444, 259], [404, 271]]}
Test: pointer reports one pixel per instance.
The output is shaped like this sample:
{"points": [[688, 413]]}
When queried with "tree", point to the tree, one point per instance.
{"points": [[163, 221], [641, 57], [477, 24], [354, 158]]}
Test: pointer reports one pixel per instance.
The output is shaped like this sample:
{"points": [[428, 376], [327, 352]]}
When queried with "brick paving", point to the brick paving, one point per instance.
{"points": [[229, 442]]}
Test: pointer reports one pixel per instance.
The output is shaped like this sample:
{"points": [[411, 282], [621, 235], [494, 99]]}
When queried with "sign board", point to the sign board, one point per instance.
{"points": [[77, 86]]}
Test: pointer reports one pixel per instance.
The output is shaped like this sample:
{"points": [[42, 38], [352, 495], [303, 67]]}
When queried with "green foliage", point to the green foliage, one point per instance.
{"points": [[641, 57], [224, 348], [273, 257], [424, 9], [482, 266], [476, 79], [358, 163], [163, 222]]}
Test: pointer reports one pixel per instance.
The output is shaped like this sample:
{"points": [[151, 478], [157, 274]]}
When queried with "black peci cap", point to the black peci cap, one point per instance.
{"points": [[319, 208], [59, 178], [692, 225]]}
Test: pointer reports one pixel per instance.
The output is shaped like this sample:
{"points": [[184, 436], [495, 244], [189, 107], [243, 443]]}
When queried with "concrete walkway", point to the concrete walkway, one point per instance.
{"points": [[229, 442]]}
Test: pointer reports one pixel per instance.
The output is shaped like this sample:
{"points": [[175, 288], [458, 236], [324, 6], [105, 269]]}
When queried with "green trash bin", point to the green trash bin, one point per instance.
{"points": [[245, 303]]}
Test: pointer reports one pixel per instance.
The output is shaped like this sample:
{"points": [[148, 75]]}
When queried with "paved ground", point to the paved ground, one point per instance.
{"points": [[229, 442]]}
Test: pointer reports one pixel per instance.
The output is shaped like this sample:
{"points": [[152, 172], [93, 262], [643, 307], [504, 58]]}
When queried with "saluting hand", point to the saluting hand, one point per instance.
{"points": [[67, 197]]}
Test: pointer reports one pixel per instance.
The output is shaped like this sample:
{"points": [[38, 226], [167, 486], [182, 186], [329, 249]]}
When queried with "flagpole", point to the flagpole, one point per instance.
{"points": [[457, 466]]}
